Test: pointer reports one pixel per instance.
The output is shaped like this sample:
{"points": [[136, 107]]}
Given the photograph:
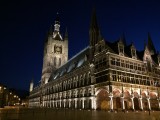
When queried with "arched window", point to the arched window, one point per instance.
{"points": [[55, 59], [148, 64], [59, 61]]}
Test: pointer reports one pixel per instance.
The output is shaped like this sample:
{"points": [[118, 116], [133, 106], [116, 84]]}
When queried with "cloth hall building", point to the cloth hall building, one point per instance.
{"points": [[105, 75]]}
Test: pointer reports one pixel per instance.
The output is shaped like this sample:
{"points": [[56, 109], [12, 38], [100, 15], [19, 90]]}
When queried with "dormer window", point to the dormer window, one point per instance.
{"points": [[121, 49], [133, 53]]}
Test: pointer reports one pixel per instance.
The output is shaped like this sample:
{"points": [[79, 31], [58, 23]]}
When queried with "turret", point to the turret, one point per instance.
{"points": [[121, 46], [31, 86], [133, 51], [57, 24]]}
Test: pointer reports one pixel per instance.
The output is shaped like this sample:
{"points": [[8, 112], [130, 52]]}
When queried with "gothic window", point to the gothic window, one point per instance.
{"points": [[148, 65], [89, 78], [132, 78], [127, 64], [113, 62], [118, 62], [136, 79], [121, 49], [135, 66], [143, 68], [131, 65], [59, 61], [139, 67], [122, 63], [133, 52], [114, 75], [55, 61]]}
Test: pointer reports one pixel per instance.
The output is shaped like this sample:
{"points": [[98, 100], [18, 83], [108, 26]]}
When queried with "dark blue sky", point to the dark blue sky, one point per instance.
{"points": [[23, 27]]}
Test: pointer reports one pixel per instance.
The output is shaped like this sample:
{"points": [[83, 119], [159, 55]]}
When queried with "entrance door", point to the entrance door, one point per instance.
{"points": [[103, 101]]}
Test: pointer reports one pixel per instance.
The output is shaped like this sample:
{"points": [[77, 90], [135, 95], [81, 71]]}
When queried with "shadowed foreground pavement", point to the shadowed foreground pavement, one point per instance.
{"points": [[67, 114]]}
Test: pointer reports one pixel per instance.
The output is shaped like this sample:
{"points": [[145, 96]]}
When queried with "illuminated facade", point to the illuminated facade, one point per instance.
{"points": [[105, 75]]}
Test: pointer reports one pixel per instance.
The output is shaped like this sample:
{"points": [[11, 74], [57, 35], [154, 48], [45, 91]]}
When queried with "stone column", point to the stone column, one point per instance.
{"points": [[122, 99], [111, 102], [60, 104], [93, 103], [69, 101], [82, 103], [132, 99], [76, 103], [149, 105]]}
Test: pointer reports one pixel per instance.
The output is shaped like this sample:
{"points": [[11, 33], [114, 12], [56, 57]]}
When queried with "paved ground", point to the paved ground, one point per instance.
{"points": [[67, 114]]}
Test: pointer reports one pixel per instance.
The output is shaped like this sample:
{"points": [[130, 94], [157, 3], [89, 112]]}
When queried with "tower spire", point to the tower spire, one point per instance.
{"points": [[57, 23], [31, 85], [94, 29], [94, 23], [150, 45]]}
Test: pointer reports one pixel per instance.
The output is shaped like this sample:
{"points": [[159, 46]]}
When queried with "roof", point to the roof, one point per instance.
{"points": [[155, 58], [75, 62]]}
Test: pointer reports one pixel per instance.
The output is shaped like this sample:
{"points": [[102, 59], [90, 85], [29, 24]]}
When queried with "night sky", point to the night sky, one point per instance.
{"points": [[24, 24]]}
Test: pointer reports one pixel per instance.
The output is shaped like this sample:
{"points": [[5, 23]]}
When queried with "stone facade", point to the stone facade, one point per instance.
{"points": [[105, 75]]}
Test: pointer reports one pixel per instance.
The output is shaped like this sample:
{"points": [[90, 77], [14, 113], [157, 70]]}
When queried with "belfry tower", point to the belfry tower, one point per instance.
{"points": [[55, 51]]}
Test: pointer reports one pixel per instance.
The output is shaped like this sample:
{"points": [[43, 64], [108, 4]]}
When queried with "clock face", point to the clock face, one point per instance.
{"points": [[58, 49]]}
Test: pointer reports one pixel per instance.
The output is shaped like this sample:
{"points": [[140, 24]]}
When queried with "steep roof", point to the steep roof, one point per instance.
{"points": [[75, 62], [155, 58]]}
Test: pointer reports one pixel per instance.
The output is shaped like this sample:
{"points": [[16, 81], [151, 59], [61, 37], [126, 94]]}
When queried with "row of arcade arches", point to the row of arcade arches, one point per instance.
{"points": [[126, 100]]}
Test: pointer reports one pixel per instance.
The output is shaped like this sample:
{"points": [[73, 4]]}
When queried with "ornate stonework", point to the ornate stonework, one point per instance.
{"points": [[105, 75]]}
